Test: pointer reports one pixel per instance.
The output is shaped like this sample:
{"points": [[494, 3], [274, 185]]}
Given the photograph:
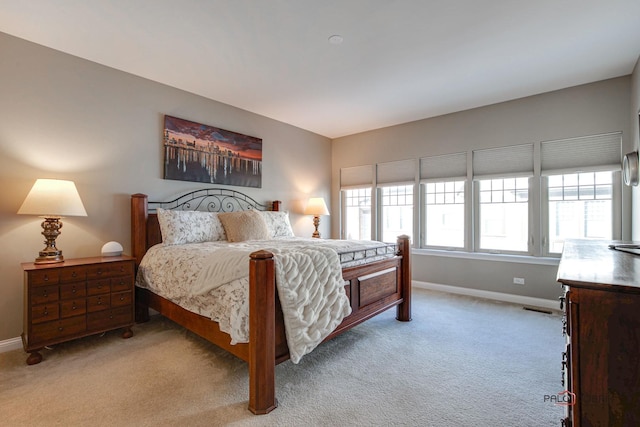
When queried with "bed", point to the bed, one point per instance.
{"points": [[374, 281]]}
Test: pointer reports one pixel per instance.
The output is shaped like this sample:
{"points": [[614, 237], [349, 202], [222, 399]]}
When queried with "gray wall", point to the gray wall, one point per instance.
{"points": [[67, 118], [635, 143], [583, 110]]}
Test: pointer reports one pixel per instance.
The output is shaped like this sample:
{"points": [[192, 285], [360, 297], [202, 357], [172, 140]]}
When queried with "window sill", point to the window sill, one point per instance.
{"points": [[521, 259]]}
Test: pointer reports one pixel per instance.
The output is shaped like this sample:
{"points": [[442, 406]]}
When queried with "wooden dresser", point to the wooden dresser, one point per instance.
{"points": [[601, 365], [76, 298]]}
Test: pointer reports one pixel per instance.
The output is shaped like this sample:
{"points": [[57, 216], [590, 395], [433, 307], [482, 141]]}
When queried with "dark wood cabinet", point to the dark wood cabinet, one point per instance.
{"points": [[76, 298], [601, 365]]}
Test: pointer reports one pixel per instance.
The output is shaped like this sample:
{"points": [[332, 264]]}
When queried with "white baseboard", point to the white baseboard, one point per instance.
{"points": [[10, 344], [546, 304]]}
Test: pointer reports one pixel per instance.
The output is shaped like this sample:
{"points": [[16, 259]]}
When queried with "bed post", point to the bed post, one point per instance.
{"points": [[404, 309], [262, 323], [139, 216], [138, 226], [275, 205]]}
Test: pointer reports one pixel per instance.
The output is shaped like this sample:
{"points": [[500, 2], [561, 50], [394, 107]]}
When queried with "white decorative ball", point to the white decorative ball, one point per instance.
{"points": [[112, 249]]}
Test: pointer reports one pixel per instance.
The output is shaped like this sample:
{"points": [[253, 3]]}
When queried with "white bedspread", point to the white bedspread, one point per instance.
{"points": [[211, 279]]}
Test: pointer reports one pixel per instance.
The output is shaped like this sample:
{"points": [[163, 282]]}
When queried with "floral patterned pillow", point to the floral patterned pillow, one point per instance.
{"points": [[180, 227], [278, 223]]}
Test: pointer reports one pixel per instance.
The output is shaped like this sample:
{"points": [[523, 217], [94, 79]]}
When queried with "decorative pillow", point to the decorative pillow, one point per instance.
{"points": [[180, 227], [244, 225], [278, 223]]}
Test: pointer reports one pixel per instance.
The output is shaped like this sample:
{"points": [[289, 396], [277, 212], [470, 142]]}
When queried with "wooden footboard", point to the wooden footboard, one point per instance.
{"points": [[372, 288]]}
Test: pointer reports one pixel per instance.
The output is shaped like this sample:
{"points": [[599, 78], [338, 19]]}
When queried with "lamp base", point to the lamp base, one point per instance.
{"points": [[49, 256], [316, 223], [50, 230]]}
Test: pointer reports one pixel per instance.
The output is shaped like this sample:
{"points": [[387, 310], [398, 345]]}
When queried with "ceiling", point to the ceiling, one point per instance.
{"points": [[399, 61]]}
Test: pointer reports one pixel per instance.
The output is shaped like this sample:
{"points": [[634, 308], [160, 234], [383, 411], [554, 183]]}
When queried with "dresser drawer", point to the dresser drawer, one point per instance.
{"points": [[73, 290], [121, 299], [98, 302], [44, 277], [109, 270], [124, 283], [44, 313], [73, 274], [74, 307], [109, 319], [44, 294], [53, 331], [96, 287]]}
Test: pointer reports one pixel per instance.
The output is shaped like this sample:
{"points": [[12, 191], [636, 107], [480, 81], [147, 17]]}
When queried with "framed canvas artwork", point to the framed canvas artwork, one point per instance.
{"points": [[203, 153]]}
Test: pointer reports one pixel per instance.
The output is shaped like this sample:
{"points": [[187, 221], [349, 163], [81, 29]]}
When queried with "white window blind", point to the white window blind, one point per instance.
{"points": [[356, 176], [584, 154], [512, 161], [400, 172], [445, 166]]}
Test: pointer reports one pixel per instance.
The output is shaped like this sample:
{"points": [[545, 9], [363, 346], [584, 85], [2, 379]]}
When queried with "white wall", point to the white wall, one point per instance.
{"points": [[596, 108], [68, 118]]}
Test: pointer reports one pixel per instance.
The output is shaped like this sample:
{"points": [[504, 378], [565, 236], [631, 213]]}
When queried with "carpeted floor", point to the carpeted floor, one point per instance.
{"points": [[460, 362]]}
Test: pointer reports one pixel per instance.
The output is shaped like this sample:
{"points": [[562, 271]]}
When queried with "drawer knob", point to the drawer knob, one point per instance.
{"points": [[74, 274], [45, 294], [60, 328], [46, 313], [99, 272], [73, 308], [74, 290], [121, 298]]}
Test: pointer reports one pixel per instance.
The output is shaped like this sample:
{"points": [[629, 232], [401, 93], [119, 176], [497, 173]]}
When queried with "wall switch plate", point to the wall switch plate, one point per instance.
{"points": [[518, 280]]}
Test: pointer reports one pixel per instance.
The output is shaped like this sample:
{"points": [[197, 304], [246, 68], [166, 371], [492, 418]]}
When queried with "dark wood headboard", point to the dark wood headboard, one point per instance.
{"points": [[145, 229]]}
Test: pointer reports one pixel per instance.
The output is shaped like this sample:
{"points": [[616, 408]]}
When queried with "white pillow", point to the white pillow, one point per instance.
{"points": [[180, 227], [278, 223]]}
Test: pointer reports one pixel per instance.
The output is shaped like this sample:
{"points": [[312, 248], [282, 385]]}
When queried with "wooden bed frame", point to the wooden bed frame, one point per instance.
{"points": [[372, 288]]}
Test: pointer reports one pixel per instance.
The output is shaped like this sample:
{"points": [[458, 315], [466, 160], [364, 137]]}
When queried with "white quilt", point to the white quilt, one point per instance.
{"points": [[308, 279]]}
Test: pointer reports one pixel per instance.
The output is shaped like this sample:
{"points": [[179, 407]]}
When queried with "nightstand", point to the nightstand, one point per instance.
{"points": [[76, 298]]}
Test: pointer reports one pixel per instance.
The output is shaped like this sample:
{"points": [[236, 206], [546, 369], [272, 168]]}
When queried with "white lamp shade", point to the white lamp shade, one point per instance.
{"points": [[53, 198], [316, 206]]}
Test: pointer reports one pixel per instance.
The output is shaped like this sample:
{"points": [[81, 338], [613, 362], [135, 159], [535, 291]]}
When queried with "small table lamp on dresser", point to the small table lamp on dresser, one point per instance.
{"points": [[316, 207], [52, 199]]}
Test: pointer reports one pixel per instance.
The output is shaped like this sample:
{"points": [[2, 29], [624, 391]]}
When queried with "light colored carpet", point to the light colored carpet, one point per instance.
{"points": [[460, 362]]}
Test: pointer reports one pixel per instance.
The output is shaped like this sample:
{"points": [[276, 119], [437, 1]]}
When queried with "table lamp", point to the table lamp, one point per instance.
{"points": [[52, 199], [316, 207]]}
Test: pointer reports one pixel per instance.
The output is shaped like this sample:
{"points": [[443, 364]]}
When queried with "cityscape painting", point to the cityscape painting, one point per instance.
{"points": [[202, 153]]}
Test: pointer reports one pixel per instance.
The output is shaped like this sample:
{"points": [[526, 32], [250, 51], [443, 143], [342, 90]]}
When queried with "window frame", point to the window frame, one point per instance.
{"points": [[344, 206], [423, 214], [380, 209], [616, 208], [477, 219]]}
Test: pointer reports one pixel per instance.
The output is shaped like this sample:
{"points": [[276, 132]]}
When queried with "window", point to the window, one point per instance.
{"points": [[444, 214], [357, 221], [397, 211], [502, 178], [523, 199], [504, 214], [581, 190], [443, 181], [356, 184], [580, 206]]}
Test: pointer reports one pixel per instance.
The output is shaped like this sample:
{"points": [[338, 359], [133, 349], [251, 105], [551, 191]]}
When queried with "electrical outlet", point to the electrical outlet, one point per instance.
{"points": [[518, 280]]}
